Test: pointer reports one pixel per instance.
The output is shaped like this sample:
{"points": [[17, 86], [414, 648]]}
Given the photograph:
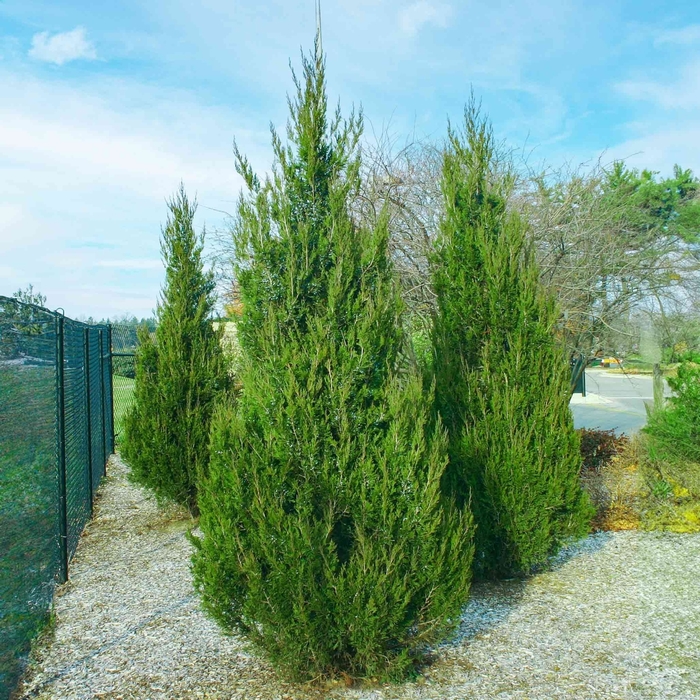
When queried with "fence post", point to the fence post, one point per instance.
{"points": [[61, 434], [88, 402], [658, 387], [102, 386], [578, 375], [111, 389]]}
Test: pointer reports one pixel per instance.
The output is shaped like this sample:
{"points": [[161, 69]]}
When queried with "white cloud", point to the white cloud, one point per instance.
{"points": [[63, 47], [668, 132], [682, 94], [95, 171], [10, 215], [684, 36], [414, 17], [660, 148], [111, 135]]}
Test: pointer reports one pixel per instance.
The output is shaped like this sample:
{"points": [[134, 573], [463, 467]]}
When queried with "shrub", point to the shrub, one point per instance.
{"points": [[598, 447], [634, 489], [325, 538], [502, 378], [124, 366], [674, 430], [179, 374], [673, 438], [670, 490]]}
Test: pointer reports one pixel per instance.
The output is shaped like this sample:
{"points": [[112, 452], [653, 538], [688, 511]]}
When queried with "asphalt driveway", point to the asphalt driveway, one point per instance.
{"points": [[614, 401]]}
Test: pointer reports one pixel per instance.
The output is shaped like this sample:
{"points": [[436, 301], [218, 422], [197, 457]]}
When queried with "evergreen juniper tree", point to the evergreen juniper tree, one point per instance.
{"points": [[325, 539], [179, 374], [502, 380]]}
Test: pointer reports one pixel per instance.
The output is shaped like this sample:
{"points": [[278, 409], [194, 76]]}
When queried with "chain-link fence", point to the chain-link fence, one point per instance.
{"points": [[124, 344], [56, 432]]}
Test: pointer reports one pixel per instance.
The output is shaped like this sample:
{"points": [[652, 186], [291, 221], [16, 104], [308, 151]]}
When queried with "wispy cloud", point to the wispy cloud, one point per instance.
{"points": [[108, 132], [665, 129], [682, 93], [94, 168], [95, 171], [683, 36], [63, 47], [660, 148], [414, 17]]}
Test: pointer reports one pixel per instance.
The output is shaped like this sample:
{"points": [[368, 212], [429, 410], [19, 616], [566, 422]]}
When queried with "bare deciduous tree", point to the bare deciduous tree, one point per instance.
{"points": [[592, 251], [597, 250], [596, 255], [402, 182]]}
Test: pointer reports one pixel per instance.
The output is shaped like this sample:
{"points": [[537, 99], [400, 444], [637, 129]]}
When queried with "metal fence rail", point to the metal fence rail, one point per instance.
{"points": [[56, 433]]}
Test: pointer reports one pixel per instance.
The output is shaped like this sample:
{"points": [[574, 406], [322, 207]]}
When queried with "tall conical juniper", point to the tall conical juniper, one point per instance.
{"points": [[180, 373], [325, 537], [501, 376]]}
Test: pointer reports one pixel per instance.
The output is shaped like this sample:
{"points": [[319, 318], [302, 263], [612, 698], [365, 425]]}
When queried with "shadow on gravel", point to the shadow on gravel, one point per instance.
{"points": [[491, 602], [592, 544]]}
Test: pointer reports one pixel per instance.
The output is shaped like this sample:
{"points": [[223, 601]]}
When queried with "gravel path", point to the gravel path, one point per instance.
{"points": [[618, 616]]}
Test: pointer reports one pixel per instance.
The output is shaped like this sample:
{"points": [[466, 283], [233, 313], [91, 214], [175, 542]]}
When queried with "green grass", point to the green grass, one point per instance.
{"points": [[123, 398]]}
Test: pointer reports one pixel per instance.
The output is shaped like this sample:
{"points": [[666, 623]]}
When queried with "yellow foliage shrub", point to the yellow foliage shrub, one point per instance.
{"points": [[634, 491]]}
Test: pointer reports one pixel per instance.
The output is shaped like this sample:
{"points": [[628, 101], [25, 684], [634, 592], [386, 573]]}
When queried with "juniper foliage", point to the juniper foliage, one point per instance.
{"points": [[326, 540], [674, 429], [501, 376], [179, 373]]}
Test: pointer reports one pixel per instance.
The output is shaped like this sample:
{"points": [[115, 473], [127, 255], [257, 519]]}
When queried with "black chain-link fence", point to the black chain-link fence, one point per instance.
{"points": [[56, 432], [124, 343]]}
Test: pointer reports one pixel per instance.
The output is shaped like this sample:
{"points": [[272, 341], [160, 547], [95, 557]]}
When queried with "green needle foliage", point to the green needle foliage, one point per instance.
{"points": [[325, 538], [179, 374], [674, 429], [502, 382]]}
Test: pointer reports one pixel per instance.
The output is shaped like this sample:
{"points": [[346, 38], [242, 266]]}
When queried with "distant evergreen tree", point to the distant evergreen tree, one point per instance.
{"points": [[501, 377], [179, 374], [27, 324], [325, 538], [29, 296]]}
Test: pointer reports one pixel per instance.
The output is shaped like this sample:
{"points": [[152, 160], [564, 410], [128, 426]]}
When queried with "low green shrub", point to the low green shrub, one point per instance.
{"points": [[124, 366], [673, 431], [634, 490], [690, 356]]}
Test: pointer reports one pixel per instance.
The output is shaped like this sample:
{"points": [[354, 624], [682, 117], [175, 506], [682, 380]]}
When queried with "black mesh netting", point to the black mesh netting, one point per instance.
{"points": [[55, 436]]}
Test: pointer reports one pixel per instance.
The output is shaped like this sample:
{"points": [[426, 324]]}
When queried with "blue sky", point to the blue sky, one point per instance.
{"points": [[105, 107]]}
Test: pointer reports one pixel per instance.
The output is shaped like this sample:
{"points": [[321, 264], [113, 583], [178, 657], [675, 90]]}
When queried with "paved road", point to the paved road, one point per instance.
{"points": [[613, 401]]}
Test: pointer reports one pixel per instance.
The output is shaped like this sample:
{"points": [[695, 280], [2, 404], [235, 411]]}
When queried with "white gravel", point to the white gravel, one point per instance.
{"points": [[618, 616]]}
